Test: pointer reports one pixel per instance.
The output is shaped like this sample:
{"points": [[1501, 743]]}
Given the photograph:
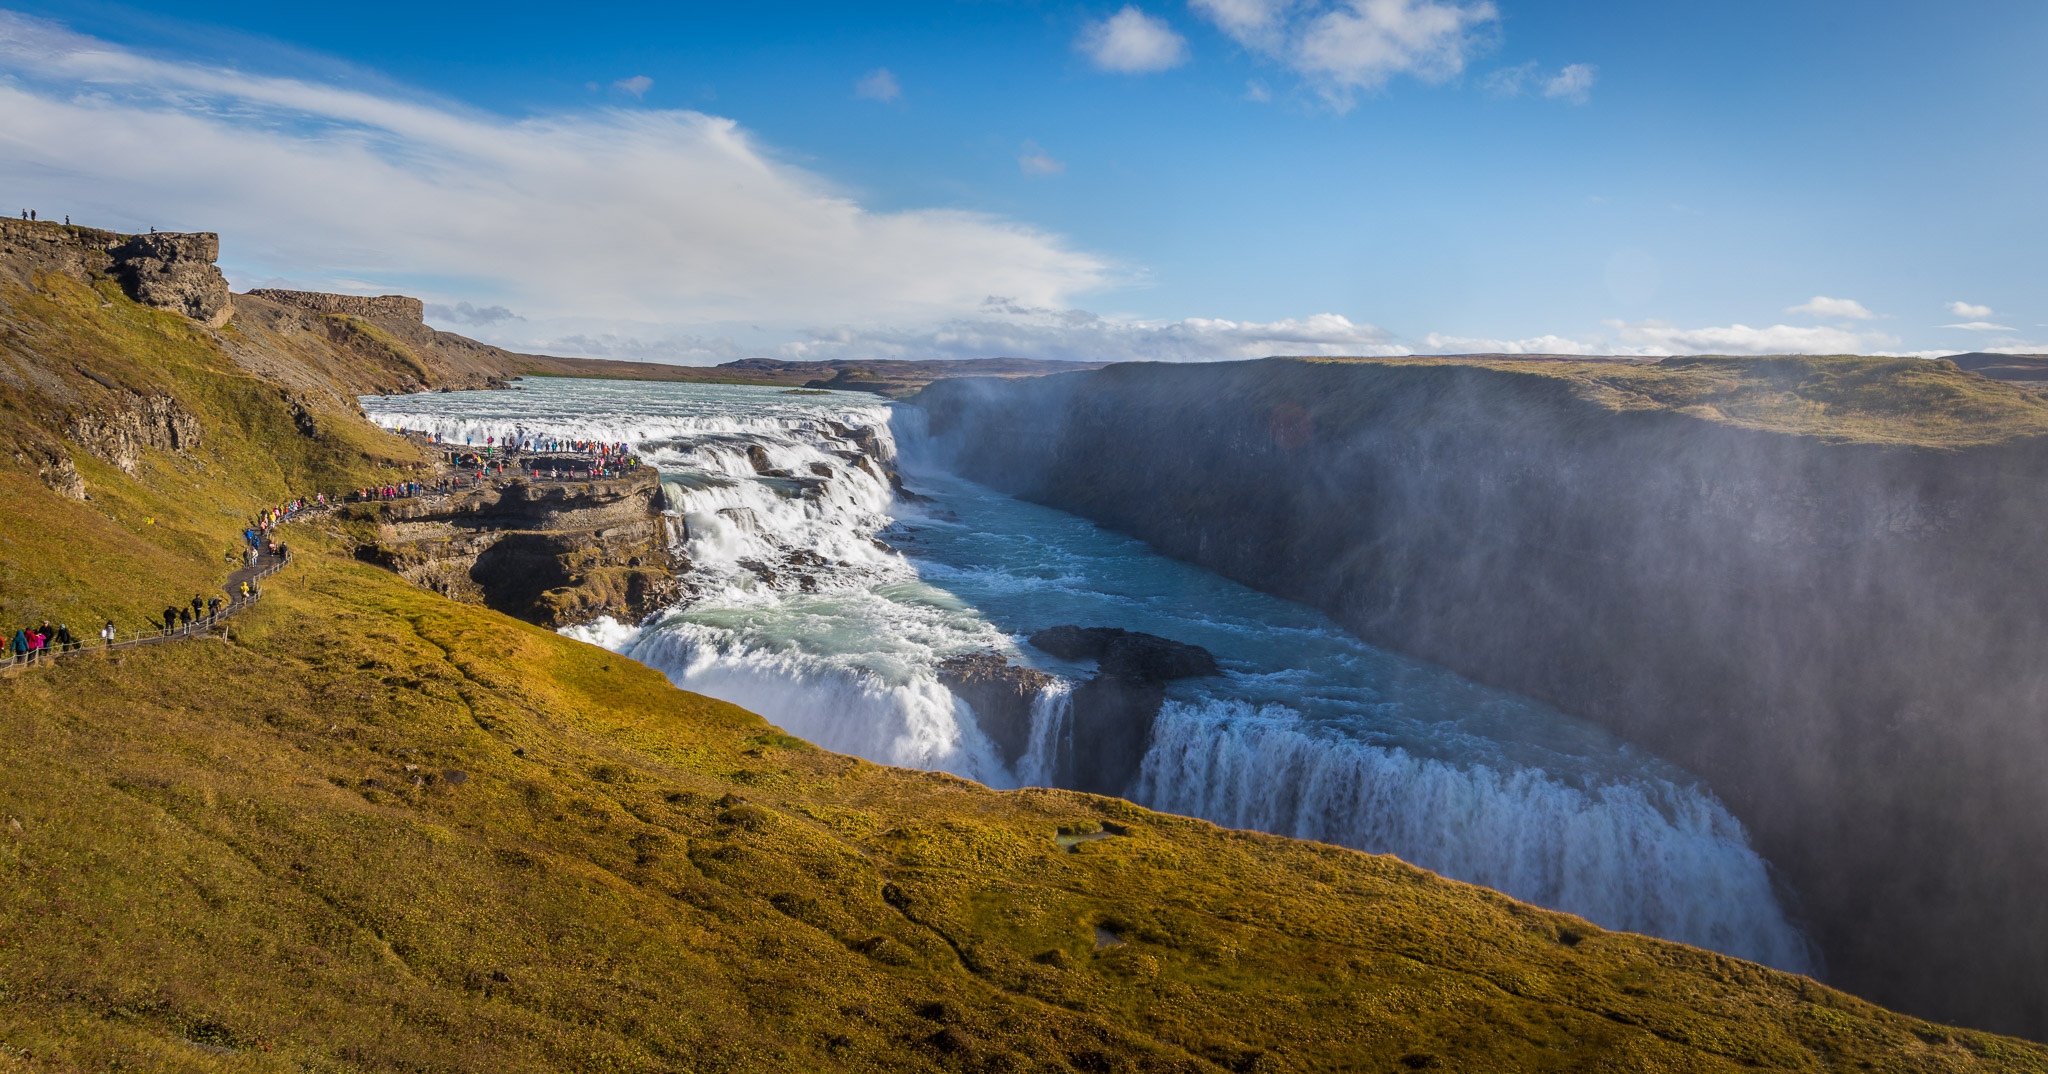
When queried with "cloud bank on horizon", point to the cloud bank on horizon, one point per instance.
{"points": [[676, 235]]}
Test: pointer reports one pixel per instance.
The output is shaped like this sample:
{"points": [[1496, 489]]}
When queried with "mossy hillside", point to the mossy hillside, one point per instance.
{"points": [[164, 532], [1839, 398], [374, 829]]}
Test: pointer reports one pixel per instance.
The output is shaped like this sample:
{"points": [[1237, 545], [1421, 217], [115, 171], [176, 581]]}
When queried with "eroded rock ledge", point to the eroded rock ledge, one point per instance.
{"points": [[552, 553]]}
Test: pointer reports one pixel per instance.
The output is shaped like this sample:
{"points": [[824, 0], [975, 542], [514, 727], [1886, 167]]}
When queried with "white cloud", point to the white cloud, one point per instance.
{"points": [[1660, 338], [638, 85], [1007, 328], [1574, 83], [1968, 311], [878, 85], [646, 217], [1032, 160], [1257, 92], [1833, 308], [1437, 343], [1349, 46], [1982, 326], [1132, 42]]}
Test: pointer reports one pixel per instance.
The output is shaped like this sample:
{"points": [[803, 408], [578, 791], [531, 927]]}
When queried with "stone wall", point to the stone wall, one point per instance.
{"points": [[410, 309]]}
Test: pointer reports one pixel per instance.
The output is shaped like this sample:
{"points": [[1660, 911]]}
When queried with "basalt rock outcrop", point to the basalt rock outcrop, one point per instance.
{"points": [[1113, 712], [550, 552], [176, 272], [118, 434], [402, 307], [1812, 582]]}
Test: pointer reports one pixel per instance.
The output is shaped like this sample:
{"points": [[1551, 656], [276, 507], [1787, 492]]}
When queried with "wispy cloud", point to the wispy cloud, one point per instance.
{"points": [[632, 216], [878, 85], [470, 314], [1132, 42], [1968, 311], [1832, 309], [1015, 329], [1572, 83], [1659, 338], [1354, 46], [1034, 160], [1982, 326], [638, 85]]}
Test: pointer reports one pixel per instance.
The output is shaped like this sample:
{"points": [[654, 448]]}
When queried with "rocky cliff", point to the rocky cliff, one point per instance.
{"points": [[1810, 581], [554, 553], [399, 306]]}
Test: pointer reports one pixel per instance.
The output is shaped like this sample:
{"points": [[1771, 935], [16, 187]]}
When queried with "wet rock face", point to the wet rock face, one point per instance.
{"points": [[1114, 711], [1000, 693], [175, 272]]}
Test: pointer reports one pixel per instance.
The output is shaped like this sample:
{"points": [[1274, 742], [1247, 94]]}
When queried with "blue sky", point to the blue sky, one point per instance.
{"points": [[1215, 179]]}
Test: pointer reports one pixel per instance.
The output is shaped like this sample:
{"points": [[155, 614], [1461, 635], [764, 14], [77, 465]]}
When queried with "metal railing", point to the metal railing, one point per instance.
{"points": [[97, 643]]}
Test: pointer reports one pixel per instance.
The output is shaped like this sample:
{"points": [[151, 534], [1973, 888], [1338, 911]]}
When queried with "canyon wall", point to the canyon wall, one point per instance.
{"points": [[1839, 632]]}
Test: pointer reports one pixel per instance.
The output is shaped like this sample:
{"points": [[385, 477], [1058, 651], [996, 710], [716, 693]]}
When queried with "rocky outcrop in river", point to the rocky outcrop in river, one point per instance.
{"points": [[551, 552], [1834, 621]]}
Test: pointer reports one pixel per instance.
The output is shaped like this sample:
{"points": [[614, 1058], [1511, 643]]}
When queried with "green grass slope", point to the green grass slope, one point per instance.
{"points": [[369, 829]]}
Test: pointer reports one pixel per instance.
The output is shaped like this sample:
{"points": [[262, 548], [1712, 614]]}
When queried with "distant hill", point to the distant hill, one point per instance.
{"points": [[2023, 370]]}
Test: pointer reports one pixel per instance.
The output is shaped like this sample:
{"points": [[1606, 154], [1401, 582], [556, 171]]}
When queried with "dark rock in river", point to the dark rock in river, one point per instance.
{"points": [[1127, 654], [1000, 693], [1113, 712]]}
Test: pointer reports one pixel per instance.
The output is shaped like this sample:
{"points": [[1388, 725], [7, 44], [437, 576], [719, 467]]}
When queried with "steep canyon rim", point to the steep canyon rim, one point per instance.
{"points": [[1807, 580]]}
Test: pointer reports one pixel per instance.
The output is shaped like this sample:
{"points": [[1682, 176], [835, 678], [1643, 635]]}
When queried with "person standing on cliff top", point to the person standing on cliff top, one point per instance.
{"points": [[107, 633]]}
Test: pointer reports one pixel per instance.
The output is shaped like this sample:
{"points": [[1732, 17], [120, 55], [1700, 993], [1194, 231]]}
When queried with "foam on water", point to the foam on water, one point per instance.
{"points": [[1309, 732]]}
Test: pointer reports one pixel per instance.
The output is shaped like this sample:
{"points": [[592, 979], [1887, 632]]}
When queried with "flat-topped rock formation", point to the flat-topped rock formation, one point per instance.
{"points": [[402, 306], [554, 553]]}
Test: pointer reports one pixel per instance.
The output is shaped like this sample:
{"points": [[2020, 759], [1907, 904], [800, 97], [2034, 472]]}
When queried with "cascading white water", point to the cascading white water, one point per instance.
{"points": [[1689, 873], [803, 616]]}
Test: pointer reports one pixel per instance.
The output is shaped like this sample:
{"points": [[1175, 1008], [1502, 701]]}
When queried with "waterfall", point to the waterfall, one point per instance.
{"points": [[805, 615], [1643, 856]]}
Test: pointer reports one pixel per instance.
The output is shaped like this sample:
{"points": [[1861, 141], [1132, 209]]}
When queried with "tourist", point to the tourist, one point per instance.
{"points": [[198, 602], [170, 620], [247, 592], [19, 647], [64, 642], [185, 619], [212, 608], [107, 633], [37, 642]]}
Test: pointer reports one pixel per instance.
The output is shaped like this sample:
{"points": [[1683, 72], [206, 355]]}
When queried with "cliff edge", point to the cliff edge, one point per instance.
{"points": [[1808, 580]]}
